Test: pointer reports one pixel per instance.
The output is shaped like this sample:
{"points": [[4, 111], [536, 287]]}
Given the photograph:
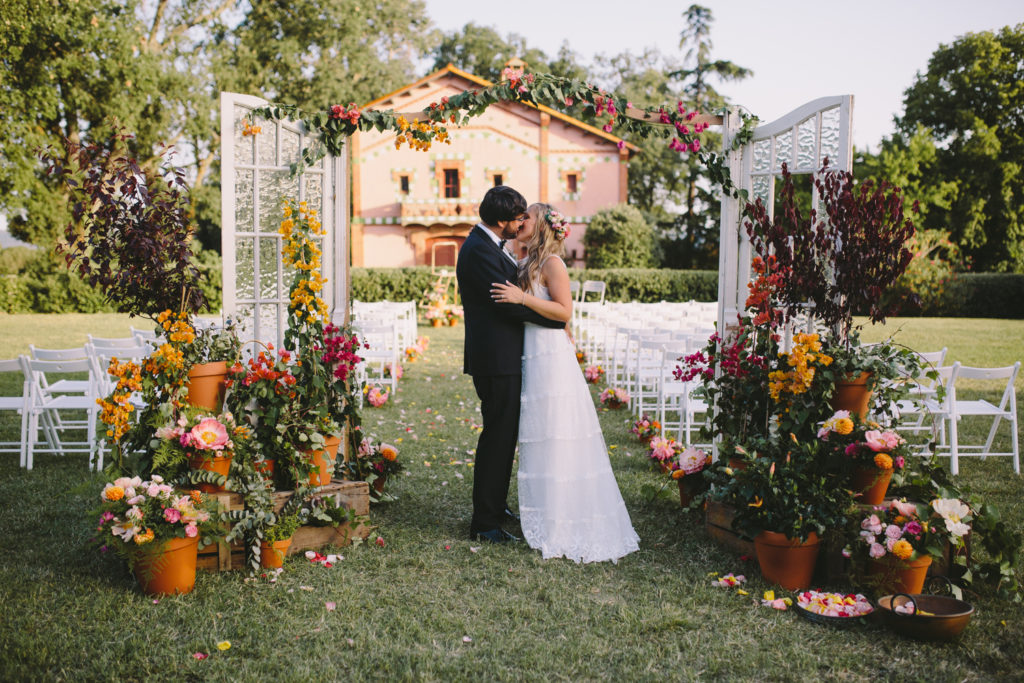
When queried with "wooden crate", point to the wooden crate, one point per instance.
{"points": [[718, 525], [354, 495]]}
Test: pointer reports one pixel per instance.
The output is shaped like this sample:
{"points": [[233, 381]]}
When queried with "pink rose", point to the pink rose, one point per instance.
{"points": [[172, 515], [893, 531], [875, 441], [899, 462], [209, 435], [876, 550], [191, 531]]}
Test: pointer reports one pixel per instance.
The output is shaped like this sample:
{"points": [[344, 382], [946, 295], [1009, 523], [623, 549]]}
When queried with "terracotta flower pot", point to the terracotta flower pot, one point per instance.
{"points": [[206, 385], [852, 394], [689, 486], [272, 553], [323, 461], [379, 482], [737, 464], [453, 322], [220, 464], [266, 467], [785, 561], [435, 322], [872, 483], [170, 570], [891, 575]]}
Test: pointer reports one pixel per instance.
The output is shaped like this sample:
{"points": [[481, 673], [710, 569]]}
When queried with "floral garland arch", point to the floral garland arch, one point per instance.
{"points": [[337, 122]]}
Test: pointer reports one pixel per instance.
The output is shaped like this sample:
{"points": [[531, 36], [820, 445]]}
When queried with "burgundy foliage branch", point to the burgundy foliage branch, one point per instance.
{"points": [[843, 260], [131, 233]]}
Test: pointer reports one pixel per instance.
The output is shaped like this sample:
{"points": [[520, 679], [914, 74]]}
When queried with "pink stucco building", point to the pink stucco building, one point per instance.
{"points": [[415, 208]]}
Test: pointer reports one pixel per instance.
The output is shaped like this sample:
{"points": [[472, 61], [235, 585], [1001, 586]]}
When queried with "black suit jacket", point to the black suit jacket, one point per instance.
{"points": [[494, 331]]}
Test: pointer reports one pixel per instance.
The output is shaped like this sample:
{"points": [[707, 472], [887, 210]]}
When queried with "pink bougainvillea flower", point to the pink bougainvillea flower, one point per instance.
{"points": [[209, 435]]}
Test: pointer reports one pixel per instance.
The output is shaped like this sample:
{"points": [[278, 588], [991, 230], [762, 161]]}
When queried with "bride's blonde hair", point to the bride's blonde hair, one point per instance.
{"points": [[543, 243]]}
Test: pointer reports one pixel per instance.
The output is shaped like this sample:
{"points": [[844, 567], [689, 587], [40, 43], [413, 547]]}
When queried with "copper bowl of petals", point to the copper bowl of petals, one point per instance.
{"points": [[834, 609], [924, 616]]}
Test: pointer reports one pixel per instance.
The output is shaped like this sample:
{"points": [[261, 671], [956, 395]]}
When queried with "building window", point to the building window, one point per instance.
{"points": [[498, 179], [572, 183], [451, 183], [403, 184]]}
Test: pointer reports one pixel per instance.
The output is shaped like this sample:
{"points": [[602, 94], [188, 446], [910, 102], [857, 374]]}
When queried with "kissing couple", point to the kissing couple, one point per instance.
{"points": [[531, 390]]}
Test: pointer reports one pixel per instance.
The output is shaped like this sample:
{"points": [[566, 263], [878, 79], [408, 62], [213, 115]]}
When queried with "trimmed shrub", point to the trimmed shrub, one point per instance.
{"points": [[982, 295], [618, 237], [392, 284]]}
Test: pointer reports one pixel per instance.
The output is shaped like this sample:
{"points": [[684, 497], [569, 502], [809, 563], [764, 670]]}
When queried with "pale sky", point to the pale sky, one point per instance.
{"points": [[799, 50]]}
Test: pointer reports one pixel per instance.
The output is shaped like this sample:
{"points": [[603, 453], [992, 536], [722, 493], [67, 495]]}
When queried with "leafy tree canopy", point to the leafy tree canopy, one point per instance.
{"points": [[972, 99], [482, 51]]}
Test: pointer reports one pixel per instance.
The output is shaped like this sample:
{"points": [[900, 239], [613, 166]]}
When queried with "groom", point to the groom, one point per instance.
{"points": [[493, 355]]}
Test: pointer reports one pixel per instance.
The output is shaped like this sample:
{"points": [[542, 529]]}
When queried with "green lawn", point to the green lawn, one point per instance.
{"points": [[430, 604]]}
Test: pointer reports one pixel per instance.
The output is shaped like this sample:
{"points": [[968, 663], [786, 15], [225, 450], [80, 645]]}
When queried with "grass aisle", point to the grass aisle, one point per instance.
{"points": [[431, 605]]}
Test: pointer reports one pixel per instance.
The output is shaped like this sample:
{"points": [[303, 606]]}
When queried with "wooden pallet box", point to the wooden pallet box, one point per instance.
{"points": [[718, 525], [354, 495]]}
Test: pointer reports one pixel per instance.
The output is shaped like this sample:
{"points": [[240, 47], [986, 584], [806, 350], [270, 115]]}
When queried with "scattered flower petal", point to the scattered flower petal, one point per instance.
{"points": [[330, 606], [467, 639], [200, 655], [224, 645]]}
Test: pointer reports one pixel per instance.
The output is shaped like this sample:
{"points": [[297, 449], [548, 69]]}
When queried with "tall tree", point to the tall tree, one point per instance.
{"points": [[698, 224], [483, 52], [972, 99]]}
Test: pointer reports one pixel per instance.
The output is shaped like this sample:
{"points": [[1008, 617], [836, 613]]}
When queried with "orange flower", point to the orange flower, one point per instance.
{"points": [[902, 549], [883, 461], [145, 537], [844, 425], [757, 502], [388, 452], [197, 497], [114, 493], [678, 474]]}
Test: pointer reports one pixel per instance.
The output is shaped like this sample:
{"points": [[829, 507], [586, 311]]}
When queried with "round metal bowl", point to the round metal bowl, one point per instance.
{"points": [[935, 617]]}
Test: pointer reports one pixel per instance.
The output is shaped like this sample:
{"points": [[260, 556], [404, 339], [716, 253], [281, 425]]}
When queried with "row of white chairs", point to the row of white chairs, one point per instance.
{"points": [[386, 328]]}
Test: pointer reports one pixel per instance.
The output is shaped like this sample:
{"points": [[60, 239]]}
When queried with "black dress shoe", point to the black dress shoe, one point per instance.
{"points": [[511, 516], [492, 536]]}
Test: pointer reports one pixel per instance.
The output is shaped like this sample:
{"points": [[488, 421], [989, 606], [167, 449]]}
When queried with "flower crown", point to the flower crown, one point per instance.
{"points": [[558, 224]]}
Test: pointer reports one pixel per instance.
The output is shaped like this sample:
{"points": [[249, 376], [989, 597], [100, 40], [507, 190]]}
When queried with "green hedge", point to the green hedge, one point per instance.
{"points": [[982, 295], [624, 284], [32, 283]]}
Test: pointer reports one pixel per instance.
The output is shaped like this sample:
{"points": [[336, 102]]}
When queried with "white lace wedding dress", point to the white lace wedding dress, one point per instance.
{"points": [[569, 502]]}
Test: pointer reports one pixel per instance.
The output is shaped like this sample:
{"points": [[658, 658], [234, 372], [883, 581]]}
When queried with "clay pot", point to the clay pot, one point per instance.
{"points": [[266, 467], [220, 464], [206, 385], [435, 322], [891, 575], [872, 483], [852, 394], [323, 461], [272, 553], [690, 485], [785, 561], [737, 464], [170, 570], [378, 484]]}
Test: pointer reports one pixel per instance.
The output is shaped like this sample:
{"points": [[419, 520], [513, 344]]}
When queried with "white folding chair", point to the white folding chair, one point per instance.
{"points": [[911, 411], [17, 404], [948, 414], [593, 287], [49, 410], [113, 342], [382, 351]]}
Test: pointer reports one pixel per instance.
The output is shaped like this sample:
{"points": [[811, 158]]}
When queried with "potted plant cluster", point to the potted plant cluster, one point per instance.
{"points": [[374, 462], [614, 398], [282, 409], [157, 529], [688, 471], [645, 429]]}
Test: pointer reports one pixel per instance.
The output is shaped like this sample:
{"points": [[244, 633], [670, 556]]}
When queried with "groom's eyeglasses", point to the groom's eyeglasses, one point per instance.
{"points": [[522, 219]]}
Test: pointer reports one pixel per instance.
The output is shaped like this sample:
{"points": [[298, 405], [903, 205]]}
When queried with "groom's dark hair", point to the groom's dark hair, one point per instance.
{"points": [[501, 203]]}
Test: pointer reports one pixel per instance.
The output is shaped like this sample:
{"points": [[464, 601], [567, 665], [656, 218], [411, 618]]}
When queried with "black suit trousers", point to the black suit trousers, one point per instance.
{"points": [[495, 450]]}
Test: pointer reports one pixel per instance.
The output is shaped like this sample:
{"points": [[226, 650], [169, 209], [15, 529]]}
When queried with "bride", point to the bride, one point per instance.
{"points": [[569, 502]]}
